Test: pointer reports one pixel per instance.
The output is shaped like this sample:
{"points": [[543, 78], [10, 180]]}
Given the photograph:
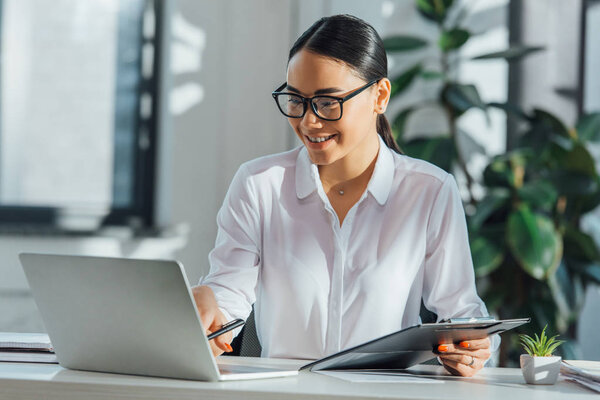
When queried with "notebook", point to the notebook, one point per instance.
{"points": [[126, 316], [411, 346]]}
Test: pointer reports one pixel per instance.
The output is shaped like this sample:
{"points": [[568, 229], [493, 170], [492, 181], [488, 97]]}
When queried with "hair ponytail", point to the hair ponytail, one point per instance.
{"points": [[357, 44], [385, 131]]}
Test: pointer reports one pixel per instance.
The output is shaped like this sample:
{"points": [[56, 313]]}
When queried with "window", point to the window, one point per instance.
{"points": [[78, 94]]}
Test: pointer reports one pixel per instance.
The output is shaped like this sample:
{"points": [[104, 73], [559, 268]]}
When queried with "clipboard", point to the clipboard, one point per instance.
{"points": [[411, 346]]}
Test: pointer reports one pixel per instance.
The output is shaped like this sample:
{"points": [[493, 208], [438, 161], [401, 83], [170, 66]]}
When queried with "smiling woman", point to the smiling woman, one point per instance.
{"points": [[338, 241]]}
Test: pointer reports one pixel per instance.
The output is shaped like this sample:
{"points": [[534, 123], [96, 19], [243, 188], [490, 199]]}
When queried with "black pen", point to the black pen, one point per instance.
{"points": [[226, 328]]}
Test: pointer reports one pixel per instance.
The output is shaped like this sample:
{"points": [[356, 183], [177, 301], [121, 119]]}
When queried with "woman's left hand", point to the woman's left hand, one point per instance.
{"points": [[464, 358]]}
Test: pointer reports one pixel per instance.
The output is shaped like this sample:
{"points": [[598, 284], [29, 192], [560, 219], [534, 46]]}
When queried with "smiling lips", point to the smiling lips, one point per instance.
{"points": [[319, 139]]}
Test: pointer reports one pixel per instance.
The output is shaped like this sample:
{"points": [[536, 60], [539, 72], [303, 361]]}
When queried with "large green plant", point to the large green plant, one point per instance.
{"points": [[530, 254]]}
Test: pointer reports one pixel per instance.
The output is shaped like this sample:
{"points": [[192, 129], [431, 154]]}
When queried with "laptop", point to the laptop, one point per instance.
{"points": [[126, 316]]}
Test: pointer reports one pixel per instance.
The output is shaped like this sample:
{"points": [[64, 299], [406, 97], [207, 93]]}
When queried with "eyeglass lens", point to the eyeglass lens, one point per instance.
{"points": [[292, 106]]}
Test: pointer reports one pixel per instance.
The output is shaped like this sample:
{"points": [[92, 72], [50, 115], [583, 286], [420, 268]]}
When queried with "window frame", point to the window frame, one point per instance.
{"points": [[140, 214]]}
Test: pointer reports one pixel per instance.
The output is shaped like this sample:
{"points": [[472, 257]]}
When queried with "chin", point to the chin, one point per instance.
{"points": [[322, 158]]}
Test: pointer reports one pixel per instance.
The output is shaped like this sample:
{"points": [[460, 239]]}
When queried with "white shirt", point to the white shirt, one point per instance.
{"points": [[319, 288]]}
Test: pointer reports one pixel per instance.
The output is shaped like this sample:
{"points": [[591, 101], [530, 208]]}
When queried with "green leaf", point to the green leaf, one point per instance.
{"points": [[462, 97], [588, 127], [439, 150], [399, 123], [507, 170], [550, 123], [510, 109], [561, 288], [578, 159], [539, 194], [511, 54], [434, 10], [431, 75], [541, 346], [487, 256], [401, 43], [403, 81], [574, 184], [534, 242], [498, 173], [453, 39], [580, 245], [488, 205]]}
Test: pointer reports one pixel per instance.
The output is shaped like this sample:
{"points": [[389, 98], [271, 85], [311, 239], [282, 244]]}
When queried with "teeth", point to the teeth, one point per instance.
{"points": [[319, 140]]}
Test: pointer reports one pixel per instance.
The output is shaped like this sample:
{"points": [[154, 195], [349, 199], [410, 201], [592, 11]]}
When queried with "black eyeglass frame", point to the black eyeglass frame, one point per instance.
{"points": [[306, 100]]}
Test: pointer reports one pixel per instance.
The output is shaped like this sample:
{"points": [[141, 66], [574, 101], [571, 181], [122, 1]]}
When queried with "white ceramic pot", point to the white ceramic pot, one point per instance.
{"points": [[540, 370]]}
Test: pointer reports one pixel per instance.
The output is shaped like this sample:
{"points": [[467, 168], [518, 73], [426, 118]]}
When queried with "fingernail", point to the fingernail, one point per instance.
{"points": [[442, 348], [229, 348], [464, 345]]}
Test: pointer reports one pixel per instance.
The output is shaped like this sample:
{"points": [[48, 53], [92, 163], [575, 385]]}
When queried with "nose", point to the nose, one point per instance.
{"points": [[310, 119]]}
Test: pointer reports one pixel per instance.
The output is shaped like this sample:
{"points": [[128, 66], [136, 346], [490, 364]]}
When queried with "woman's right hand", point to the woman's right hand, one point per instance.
{"points": [[212, 319]]}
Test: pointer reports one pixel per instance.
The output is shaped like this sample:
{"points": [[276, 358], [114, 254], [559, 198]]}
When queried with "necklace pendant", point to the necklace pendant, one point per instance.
{"points": [[341, 192]]}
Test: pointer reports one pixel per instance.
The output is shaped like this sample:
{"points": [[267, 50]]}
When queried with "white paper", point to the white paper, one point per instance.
{"points": [[38, 341], [586, 373], [28, 356]]}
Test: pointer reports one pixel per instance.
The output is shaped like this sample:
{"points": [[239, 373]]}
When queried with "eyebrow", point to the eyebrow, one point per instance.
{"points": [[317, 92]]}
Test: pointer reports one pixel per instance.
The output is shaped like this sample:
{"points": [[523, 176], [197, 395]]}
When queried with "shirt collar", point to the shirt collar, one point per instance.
{"points": [[379, 185]]}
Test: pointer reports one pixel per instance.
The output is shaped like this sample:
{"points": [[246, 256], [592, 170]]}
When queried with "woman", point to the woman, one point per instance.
{"points": [[336, 242]]}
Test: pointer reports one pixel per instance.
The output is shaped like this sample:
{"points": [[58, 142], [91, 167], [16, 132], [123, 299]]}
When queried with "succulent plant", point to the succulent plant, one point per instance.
{"points": [[540, 346]]}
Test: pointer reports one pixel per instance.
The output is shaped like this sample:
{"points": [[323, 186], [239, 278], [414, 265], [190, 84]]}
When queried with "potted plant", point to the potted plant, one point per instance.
{"points": [[539, 366]]}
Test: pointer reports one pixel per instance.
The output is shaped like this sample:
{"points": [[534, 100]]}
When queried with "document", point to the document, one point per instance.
{"points": [[586, 373], [30, 341], [28, 356], [26, 347]]}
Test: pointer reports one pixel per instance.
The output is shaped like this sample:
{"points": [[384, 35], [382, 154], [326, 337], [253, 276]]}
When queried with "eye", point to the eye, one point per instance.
{"points": [[326, 103]]}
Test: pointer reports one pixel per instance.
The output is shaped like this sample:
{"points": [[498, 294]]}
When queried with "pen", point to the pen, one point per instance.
{"points": [[227, 327]]}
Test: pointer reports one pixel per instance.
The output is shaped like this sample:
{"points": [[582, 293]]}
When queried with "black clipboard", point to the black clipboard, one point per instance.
{"points": [[411, 346]]}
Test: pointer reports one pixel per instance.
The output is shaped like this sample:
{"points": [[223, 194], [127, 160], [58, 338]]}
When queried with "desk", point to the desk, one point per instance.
{"points": [[50, 381]]}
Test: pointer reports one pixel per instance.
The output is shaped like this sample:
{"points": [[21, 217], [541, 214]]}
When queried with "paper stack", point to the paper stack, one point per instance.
{"points": [[586, 373], [26, 347]]}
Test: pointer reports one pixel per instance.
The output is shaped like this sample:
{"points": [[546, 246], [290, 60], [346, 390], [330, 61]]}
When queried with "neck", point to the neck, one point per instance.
{"points": [[354, 167]]}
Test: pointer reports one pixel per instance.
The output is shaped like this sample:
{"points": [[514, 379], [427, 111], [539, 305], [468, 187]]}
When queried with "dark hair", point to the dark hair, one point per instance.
{"points": [[356, 43]]}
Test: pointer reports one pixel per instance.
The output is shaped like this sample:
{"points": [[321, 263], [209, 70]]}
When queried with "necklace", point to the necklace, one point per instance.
{"points": [[341, 192]]}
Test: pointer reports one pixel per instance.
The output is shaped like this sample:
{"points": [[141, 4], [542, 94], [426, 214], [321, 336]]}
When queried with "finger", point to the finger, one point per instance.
{"points": [[215, 349], [224, 342], [449, 349], [483, 353], [475, 344], [459, 368], [466, 358], [445, 348]]}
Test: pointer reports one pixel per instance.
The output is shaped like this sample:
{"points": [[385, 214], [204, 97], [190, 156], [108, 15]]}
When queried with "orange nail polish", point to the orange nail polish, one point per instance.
{"points": [[229, 348], [442, 348], [464, 345]]}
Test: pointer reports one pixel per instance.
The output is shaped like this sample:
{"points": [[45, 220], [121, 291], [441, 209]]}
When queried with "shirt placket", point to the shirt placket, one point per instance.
{"points": [[341, 235]]}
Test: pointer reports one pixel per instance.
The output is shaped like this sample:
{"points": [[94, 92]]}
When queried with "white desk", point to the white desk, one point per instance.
{"points": [[50, 381]]}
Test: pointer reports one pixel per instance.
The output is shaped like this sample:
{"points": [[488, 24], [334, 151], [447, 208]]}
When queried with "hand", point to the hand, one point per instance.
{"points": [[212, 319], [465, 358]]}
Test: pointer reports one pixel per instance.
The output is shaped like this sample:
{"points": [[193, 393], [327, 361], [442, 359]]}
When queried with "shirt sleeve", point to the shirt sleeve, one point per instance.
{"points": [[449, 279], [235, 259]]}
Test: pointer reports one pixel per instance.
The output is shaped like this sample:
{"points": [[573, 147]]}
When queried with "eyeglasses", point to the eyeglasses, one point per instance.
{"points": [[328, 108]]}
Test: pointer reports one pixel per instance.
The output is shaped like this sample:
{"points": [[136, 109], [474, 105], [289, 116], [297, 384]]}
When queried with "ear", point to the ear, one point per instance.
{"points": [[383, 90]]}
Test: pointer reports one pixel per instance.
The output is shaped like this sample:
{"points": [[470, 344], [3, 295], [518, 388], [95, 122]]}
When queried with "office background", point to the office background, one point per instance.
{"points": [[140, 120]]}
